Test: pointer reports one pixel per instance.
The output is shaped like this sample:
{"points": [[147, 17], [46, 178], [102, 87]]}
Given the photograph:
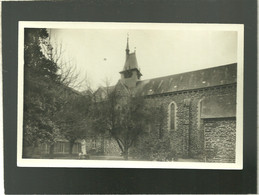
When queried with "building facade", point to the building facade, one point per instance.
{"points": [[201, 107]]}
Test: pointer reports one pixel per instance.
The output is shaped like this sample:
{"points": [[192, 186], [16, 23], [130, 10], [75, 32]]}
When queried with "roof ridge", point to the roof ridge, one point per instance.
{"points": [[188, 72]]}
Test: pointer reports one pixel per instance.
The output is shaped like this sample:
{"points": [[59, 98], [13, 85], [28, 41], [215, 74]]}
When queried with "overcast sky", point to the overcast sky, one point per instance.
{"points": [[101, 53]]}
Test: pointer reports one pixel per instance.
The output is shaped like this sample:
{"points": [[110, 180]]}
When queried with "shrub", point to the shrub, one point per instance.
{"points": [[151, 147]]}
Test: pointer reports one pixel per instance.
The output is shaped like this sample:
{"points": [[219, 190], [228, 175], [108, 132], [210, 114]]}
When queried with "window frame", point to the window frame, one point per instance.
{"points": [[169, 116]]}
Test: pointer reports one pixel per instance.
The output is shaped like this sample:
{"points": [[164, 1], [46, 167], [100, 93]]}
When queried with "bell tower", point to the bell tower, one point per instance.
{"points": [[131, 72]]}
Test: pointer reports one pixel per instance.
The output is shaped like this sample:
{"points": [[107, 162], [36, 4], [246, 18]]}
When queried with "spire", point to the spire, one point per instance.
{"points": [[130, 74], [131, 59], [127, 47]]}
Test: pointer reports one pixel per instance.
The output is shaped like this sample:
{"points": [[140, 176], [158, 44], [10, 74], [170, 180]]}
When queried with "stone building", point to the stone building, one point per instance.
{"points": [[201, 107]]}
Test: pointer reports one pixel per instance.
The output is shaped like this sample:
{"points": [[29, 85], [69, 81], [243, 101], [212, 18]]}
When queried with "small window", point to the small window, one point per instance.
{"points": [[128, 74], [172, 116]]}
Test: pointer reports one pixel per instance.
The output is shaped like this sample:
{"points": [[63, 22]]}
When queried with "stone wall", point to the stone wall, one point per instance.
{"points": [[188, 138], [111, 147], [193, 137], [106, 146], [220, 139]]}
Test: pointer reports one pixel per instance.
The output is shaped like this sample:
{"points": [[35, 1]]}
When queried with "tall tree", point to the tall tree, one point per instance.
{"points": [[72, 117], [52, 109], [124, 117], [155, 142], [40, 78]]}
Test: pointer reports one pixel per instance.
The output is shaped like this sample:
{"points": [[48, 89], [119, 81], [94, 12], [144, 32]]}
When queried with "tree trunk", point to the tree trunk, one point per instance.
{"points": [[102, 144], [51, 150], [126, 152], [71, 144]]}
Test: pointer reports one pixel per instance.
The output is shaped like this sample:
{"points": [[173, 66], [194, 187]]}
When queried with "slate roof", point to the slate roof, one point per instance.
{"points": [[210, 77], [131, 62]]}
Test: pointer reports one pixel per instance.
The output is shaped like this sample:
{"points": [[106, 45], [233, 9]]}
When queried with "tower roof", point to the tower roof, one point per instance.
{"points": [[131, 59], [131, 62]]}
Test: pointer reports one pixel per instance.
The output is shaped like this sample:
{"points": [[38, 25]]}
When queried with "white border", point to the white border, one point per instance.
{"points": [[132, 164]]}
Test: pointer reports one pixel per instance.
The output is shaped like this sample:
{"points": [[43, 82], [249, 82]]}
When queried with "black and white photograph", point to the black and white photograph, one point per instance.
{"points": [[130, 95]]}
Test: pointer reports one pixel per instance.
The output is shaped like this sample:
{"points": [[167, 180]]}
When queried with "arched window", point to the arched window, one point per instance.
{"points": [[172, 116]]}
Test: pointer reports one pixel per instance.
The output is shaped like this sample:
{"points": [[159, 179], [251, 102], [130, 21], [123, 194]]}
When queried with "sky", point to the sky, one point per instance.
{"points": [[100, 53]]}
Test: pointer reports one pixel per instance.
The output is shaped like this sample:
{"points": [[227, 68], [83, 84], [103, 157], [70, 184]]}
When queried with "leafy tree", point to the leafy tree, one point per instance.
{"points": [[154, 144], [40, 78], [72, 117], [151, 147], [36, 63], [52, 109]]}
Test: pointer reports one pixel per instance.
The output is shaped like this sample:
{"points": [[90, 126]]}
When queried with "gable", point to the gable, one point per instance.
{"points": [[102, 92], [121, 89]]}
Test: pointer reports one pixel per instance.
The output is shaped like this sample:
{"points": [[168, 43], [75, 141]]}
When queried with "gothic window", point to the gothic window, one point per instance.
{"points": [[172, 116]]}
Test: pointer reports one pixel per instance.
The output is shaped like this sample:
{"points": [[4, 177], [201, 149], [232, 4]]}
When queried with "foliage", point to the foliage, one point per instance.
{"points": [[155, 143], [40, 79], [123, 117], [151, 147], [36, 63], [72, 117], [129, 123], [52, 110]]}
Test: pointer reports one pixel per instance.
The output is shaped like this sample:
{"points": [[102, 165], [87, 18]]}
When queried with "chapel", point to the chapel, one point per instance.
{"points": [[201, 107]]}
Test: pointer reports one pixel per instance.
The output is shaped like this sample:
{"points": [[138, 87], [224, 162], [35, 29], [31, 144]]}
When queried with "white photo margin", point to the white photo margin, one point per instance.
{"points": [[238, 165]]}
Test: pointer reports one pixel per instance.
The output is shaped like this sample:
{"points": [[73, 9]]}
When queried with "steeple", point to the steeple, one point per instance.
{"points": [[127, 47], [131, 72]]}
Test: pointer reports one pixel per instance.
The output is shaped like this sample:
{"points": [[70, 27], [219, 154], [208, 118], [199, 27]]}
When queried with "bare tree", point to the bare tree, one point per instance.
{"points": [[122, 115], [68, 73], [72, 106]]}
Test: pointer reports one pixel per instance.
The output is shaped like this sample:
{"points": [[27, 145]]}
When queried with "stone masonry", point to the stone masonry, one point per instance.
{"points": [[188, 138]]}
